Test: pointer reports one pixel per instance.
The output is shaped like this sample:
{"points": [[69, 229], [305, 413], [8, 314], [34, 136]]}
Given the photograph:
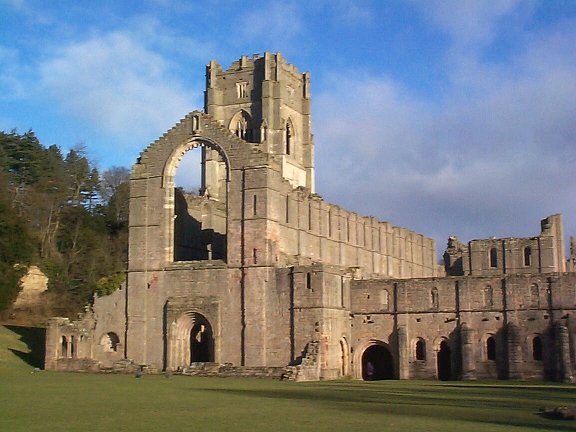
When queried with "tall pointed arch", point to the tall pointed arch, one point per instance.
{"points": [[242, 126]]}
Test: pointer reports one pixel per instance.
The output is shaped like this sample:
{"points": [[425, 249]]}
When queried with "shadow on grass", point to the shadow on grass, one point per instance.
{"points": [[438, 405], [34, 338]]}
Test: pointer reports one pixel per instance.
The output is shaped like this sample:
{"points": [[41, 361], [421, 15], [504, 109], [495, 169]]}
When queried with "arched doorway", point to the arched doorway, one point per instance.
{"points": [[377, 363], [444, 361], [191, 340]]}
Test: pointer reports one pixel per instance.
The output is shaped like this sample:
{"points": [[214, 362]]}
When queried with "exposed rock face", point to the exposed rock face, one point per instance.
{"points": [[34, 283]]}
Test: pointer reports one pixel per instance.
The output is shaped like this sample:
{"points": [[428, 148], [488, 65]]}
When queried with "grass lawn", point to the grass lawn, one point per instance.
{"points": [[51, 401]]}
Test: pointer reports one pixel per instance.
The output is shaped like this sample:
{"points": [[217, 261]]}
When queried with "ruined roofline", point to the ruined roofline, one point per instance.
{"points": [[543, 232], [503, 276]]}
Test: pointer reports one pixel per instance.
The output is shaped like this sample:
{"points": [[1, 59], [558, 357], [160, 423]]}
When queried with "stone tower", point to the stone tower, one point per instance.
{"points": [[265, 101]]}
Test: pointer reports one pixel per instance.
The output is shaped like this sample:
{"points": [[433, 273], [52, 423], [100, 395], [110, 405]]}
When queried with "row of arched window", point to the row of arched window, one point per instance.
{"points": [[526, 254], [488, 297], [535, 346]]}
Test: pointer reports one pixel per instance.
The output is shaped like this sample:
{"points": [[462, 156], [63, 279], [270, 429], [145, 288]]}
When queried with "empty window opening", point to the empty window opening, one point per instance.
{"points": [[493, 258], [527, 256], [254, 205], [242, 90], [537, 348], [377, 364], [72, 347], [255, 256], [309, 280], [64, 347], [200, 213], [348, 230], [241, 126], [287, 209], [491, 348], [420, 349], [434, 298]]}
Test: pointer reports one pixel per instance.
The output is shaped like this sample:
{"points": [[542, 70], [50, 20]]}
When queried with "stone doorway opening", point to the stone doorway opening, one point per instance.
{"points": [[191, 340], [444, 361], [377, 363]]}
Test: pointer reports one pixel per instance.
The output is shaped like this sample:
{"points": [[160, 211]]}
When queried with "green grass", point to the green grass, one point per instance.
{"points": [[50, 401]]}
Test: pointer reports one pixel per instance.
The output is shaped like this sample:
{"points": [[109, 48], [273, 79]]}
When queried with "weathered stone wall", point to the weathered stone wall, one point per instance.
{"points": [[532, 304], [491, 257]]}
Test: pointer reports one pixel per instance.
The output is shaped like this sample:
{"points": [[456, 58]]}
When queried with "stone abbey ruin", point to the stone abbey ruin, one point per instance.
{"points": [[257, 275]]}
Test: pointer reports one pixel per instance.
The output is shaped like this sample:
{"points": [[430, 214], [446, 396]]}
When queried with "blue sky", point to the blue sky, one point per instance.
{"points": [[449, 117]]}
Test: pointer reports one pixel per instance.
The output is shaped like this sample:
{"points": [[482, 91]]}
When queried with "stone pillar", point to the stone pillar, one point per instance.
{"points": [[467, 338], [513, 351], [403, 354], [563, 370], [52, 343]]}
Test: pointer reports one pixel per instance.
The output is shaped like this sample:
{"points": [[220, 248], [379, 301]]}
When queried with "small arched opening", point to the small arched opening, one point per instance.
{"points": [[64, 347], [110, 342], [444, 361], [493, 258], [377, 363], [420, 349], [527, 256], [537, 348], [491, 348]]}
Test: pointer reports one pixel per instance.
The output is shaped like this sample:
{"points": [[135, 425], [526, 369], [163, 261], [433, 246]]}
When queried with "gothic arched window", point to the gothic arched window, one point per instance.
{"points": [[491, 348], [420, 349], [241, 125]]}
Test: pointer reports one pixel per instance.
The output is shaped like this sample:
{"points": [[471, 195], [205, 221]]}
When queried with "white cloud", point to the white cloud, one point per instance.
{"points": [[496, 150], [469, 21], [116, 83], [277, 21]]}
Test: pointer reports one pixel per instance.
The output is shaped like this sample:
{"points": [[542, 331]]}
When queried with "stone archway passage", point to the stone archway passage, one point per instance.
{"points": [[191, 341], [377, 363], [444, 362]]}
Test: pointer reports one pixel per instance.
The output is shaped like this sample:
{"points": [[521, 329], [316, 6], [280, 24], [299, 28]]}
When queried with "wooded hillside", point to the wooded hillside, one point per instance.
{"points": [[60, 213]]}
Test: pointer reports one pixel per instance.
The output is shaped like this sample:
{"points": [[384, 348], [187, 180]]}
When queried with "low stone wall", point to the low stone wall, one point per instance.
{"points": [[228, 370]]}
